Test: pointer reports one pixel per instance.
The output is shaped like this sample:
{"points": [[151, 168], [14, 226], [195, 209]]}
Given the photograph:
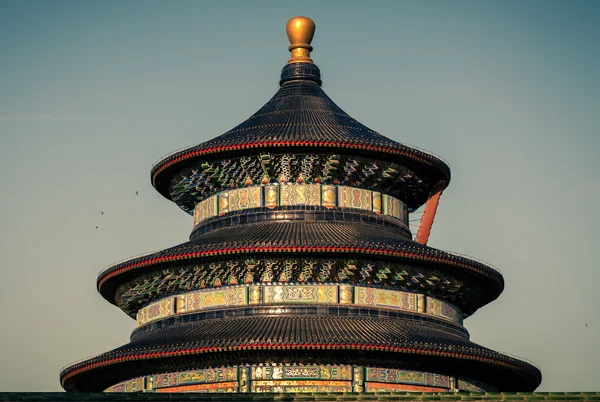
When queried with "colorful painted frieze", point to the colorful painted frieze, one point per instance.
{"points": [[244, 379], [394, 376], [300, 194], [358, 379], [328, 196], [300, 293], [155, 311], [255, 294], [301, 378], [376, 202], [133, 385], [336, 372], [301, 386], [245, 198], [392, 206], [351, 197], [272, 195], [223, 202], [198, 215], [203, 376], [296, 194], [138, 384], [438, 380], [212, 298], [164, 380], [242, 295], [212, 207], [421, 299], [346, 294], [440, 308], [192, 377], [205, 209], [385, 298], [318, 372]]}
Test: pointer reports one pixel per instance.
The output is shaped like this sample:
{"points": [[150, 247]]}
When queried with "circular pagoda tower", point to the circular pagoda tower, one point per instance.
{"points": [[301, 272]]}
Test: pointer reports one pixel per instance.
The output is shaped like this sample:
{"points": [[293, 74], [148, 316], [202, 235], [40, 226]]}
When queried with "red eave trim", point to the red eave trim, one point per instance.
{"points": [[295, 249], [406, 152], [142, 355]]}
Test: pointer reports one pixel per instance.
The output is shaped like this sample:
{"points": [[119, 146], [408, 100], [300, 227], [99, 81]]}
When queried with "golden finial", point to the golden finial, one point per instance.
{"points": [[300, 31]]}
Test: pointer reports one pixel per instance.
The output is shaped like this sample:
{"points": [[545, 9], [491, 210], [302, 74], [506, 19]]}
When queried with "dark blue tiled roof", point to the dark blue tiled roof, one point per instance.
{"points": [[300, 114], [207, 342]]}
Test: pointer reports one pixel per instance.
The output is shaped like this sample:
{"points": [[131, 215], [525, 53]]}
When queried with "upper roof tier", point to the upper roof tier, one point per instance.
{"points": [[301, 119]]}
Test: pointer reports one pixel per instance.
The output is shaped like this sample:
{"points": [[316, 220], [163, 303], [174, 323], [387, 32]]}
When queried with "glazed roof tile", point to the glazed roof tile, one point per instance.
{"points": [[302, 238], [301, 115], [301, 333]]}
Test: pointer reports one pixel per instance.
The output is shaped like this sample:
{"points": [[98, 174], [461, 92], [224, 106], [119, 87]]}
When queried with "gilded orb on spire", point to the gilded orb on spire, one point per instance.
{"points": [[300, 31]]}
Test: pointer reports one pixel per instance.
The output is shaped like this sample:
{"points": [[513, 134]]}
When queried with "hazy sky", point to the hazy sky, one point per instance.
{"points": [[93, 93]]}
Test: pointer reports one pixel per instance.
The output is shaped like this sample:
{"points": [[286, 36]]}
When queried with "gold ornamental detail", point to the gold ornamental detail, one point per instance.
{"points": [[300, 32], [299, 194], [277, 377], [297, 294]]}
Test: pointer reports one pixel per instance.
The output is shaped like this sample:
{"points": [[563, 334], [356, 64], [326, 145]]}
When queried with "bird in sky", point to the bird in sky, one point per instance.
{"points": [[136, 193], [96, 227], [101, 212]]}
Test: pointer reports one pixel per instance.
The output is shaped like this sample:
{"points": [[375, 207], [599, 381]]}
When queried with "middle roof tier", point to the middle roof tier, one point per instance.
{"points": [[301, 252]]}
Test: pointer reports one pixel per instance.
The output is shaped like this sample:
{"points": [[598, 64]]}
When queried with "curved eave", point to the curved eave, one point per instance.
{"points": [[411, 254], [164, 170], [300, 117], [364, 335], [144, 355]]}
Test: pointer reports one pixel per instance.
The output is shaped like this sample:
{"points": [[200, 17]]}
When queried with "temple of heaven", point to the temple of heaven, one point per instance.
{"points": [[301, 273]]}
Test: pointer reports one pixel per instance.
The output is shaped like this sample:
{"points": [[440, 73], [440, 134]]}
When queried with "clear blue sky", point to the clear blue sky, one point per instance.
{"points": [[92, 93]]}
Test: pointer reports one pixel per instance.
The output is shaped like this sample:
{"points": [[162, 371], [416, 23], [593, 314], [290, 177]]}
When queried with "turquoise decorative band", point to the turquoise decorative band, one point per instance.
{"points": [[297, 378], [290, 194], [282, 294]]}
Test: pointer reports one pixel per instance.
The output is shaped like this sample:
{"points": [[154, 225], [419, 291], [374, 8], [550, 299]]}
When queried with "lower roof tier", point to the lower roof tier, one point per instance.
{"points": [[393, 343], [301, 252]]}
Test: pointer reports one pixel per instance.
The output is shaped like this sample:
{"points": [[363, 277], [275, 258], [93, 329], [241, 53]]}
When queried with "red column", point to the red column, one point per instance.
{"points": [[429, 214]]}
